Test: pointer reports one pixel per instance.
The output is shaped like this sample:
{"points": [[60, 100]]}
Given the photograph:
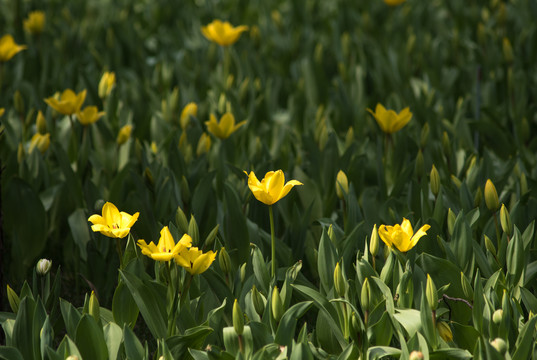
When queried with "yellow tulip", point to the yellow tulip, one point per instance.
{"points": [[491, 196], [166, 248], [2, 111], [41, 123], [225, 127], [194, 260], [390, 121], [222, 33], [39, 141], [342, 185], [89, 115], [68, 102], [402, 236], [113, 223], [190, 109], [124, 134], [8, 48], [106, 84], [204, 144], [394, 2], [271, 188], [35, 22]]}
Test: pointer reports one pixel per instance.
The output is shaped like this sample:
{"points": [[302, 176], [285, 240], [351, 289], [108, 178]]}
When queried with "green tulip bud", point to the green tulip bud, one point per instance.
{"points": [[446, 144], [491, 196], [259, 301], [416, 355], [507, 50], [374, 242], [419, 167], [431, 293], [356, 328], [209, 240], [41, 123], [523, 184], [466, 287], [43, 267], [478, 196], [18, 102], [349, 137], [365, 296], [181, 221], [94, 307], [500, 345], [193, 231], [13, 299], [451, 218], [424, 136], [339, 281], [505, 220], [434, 181], [444, 330], [224, 261], [277, 306], [489, 245], [331, 235], [342, 185], [456, 181], [497, 316], [243, 272], [238, 318]]}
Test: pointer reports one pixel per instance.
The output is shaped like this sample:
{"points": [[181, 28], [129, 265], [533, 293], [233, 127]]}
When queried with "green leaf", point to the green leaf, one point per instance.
{"points": [[450, 354], [427, 321], [260, 270], [133, 347], [150, 297], [124, 307], [526, 339], [377, 352], [78, 223], [113, 337], [71, 317], [287, 326], [301, 352], [464, 336], [10, 353], [410, 320], [235, 229], [382, 330], [515, 259], [90, 340], [46, 335], [461, 242], [326, 262], [193, 338], [24, 337]]}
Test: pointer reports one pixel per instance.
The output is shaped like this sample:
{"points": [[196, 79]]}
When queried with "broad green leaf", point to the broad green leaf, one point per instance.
{"points": [[46, 335], [378, 352], [71, 317], [234, 227], [450, 354], [89, 339], [113, 337], [133, 347], [287, 326], [193, 338], [515, 259], [526, 340], [260, 270], [410, 320], [382, 331], [24, 337], [78, 223], [301, 352], [10, 353], [326, 262], [124, 307]]}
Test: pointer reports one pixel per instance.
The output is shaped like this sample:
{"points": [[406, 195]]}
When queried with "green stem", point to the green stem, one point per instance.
{"points": [[273, 242], [119, 252], [498, 233], [172, 314]]}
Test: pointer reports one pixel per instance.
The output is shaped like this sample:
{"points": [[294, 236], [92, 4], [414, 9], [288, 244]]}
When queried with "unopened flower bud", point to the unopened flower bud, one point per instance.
{"points": [[190, 110], [342, 185], [238, 318], [434, 181], [489, 245], [505, 220], [258, 300], [420, 167], [204, 144], [106, 84], [349, 137], [478, 196], [13, 299], [374, 242], [20, 153], [451, 218], [446, 144], [277, 306], [41, 123], [124, 134], [43, 267], [444, 331], [491, 196], [185, 189], [365, 296], [331, 235], [500, 345], [94, 308], [466, 287], [456, 181], [431, 293], [424, 136], [72, 357], [243, 272], [224, 261], [416, 355], [339, 281], [497, 316], [523, 184], [193, 231], [18, 102]]}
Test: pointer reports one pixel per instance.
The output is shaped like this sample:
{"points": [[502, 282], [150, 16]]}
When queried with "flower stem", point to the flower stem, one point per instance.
{"points": [[272, 242], [119, 252]]}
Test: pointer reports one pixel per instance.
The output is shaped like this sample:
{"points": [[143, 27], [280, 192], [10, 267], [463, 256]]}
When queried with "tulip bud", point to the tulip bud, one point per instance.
{"points": [[500, 345], [505, 220], [523, 184], [424, 136], [180, 220], [342, 185], [72, 357], [466, 287], [20, 153], [374, 242], [349, 137], [456, 181], [258, 300], [416, 355], [365, 296], [444, 331], [204, 144], [507, 50], [489, 245], [18, 102], [331, 235], [13, 299], [148, 177], [229, 81], [94, 308], [41, 123], [491, 196], [209, 240], [277, 306], [446, 144], [478, 196], [224, 261], [243, 272], [193, 231], [106, 84], [238, 318], [124, 134], [431, 293], [420, 167], [497, 316], [434, 181], [339, 281], [43, 267], [451, 218]]}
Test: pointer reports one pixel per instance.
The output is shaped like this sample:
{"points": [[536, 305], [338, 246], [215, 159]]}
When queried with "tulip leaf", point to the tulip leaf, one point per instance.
{"points": [[113, 335], [133, 347], [287, 326], [526, 339], [326, 262], [78, 222], [46, 336], [235, 229], [461, 242], [124, 307], [450, 353], [378, 352], [24, 337], [515, 259], [90, 340], [150, 298], [193, 338], [10, 353]]}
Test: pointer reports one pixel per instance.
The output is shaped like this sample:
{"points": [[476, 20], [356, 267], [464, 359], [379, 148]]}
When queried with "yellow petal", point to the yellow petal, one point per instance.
{"points": [[203, 262], [111, 214], [97, 219], [385, 234]]}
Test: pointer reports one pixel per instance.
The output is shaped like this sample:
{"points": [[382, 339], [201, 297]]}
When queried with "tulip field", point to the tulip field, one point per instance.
{"points": [[259, 180]]}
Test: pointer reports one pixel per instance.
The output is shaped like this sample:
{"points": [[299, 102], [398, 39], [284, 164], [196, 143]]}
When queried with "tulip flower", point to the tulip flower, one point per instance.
{"points": [[222, 33], [106, 84], [40, 141], [8, 48], [68, 102], [113, 223], [89, 115], [390, 121], [342, 185], [166, 248], [401, 236], [204, 144], [394, 2], [190, 109], [35, 22], [2, 111], [124, 134], [225, 127], [271, 188], [194, 260]]}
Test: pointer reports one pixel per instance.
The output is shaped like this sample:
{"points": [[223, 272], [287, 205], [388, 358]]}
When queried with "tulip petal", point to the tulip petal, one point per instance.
{"points": [[97, 219], [203, 262], [111, 215], [421, 232], [385, 234]]}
